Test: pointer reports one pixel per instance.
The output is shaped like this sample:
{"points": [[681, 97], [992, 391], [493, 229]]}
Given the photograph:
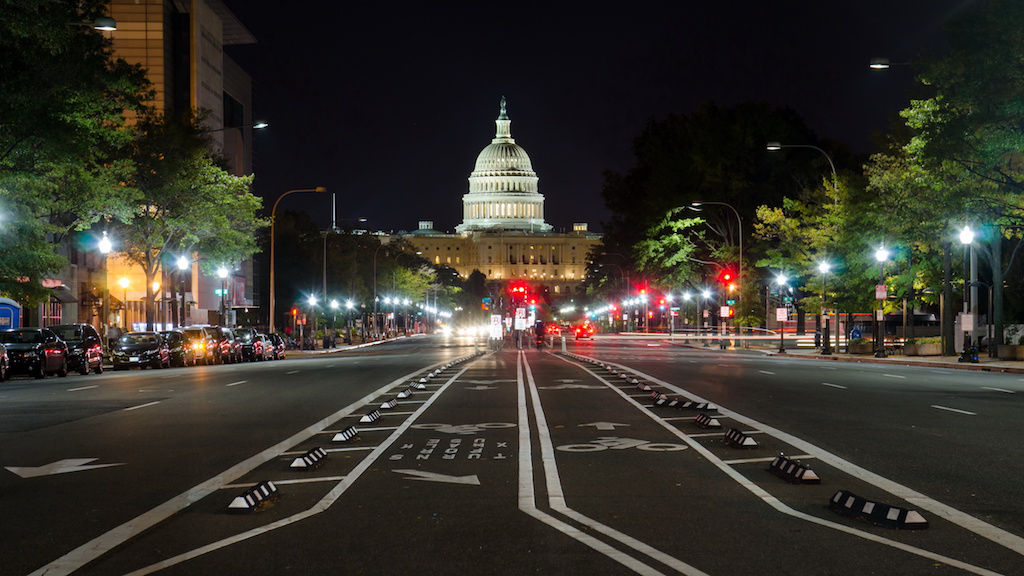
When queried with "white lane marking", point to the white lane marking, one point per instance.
{"points": [[998, 389], [237, 383], [527, 495], [937, 407], [988, 531], [350, 449], [895, 376], [325, 503], [105, 542], [424, 476], [83, 388], [767, 372], [293, 481], [142, 406], [840, 386], [292, 372], [829, 368], [377, 428], [767, 459]]}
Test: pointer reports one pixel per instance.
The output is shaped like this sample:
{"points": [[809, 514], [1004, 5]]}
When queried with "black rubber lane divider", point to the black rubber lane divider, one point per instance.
{"points": [[705, 421], [738, 439], [313, 458], [849, 504], [346, 434], [255, 498], [793, 471]]}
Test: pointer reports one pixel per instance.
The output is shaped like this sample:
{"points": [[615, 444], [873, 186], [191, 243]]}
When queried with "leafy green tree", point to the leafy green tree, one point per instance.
{"points": [[184, 202], [62, 99]]}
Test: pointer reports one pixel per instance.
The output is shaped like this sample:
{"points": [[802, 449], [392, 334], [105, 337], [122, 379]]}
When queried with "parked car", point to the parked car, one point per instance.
{"points": [[85, 347], [252, 347], [267, 346], [35, 351], [201, 342], [179, 347], [141, 349], [222, 343], [4, 363], [280, 346]]}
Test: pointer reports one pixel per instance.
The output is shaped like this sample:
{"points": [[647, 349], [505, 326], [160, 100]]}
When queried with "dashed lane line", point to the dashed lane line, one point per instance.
{"points": [[284, 482], [767, 372], [237, 383], [895, 376], [957, 410], [998, 389], [141, 406], [840, 386], [83, 388], [290, 372], [767, 459]]}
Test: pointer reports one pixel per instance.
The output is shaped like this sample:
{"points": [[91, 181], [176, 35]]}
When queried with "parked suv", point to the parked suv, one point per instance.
{"points": [[229, 348], [35, 351], [85, 347], [180, 348], [202, 344]]}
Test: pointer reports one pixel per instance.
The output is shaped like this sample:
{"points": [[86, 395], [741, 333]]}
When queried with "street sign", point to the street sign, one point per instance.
{"points": [[880, 292], [724, 312], [730, 302], [787, 299], [782, 314], [220, 291]]}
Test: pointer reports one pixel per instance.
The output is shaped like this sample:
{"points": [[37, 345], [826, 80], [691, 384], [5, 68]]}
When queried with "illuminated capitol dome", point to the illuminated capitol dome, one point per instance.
{"points": [[503, 187]]}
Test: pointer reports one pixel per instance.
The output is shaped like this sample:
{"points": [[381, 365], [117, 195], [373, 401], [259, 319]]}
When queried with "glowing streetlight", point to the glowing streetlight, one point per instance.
{"points": [[824, 268], [105, 245], [881, 256]]}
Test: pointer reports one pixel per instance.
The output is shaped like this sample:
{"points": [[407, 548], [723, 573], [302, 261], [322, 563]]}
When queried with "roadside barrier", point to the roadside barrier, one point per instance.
{"points": [[370, 417], [346, 434], [793, 471], [405, 393], [849, 504], [705, 421], [311, 459], [738, 439], [255, 498], [389, 404]]}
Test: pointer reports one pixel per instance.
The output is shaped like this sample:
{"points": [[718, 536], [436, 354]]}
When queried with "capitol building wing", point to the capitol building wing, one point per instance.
{"points": [[503, 233]]}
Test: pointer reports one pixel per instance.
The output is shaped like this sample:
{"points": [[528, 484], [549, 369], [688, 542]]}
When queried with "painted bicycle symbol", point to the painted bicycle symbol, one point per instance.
{"points": [[615, 443]]}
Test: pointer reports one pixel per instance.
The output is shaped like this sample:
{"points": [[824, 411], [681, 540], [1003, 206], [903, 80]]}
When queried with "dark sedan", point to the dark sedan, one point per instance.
{"points": [[280, 346], [4, 366], [85, 347], [252, 347], [141, 349], [35, 351]]}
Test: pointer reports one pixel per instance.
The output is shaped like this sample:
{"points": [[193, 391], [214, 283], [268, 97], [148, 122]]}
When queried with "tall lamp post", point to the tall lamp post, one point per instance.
{"points": [[970, 298], [105, 246], [782, 282], [222, 273], [739, 224], [881, 256], [273, 211], [824, 267], [776, 146], [312, 300], [183, 265], [705, 295]]}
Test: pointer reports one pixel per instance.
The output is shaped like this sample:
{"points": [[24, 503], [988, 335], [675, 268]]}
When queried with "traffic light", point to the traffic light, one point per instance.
{"points": [[727, 278]]}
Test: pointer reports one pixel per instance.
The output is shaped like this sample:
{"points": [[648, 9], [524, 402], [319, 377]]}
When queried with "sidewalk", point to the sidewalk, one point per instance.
{"points": [[984, 364], [342, 348]]}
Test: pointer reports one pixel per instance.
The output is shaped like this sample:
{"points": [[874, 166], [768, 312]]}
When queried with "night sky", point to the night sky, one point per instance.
{"points": [[388, 104]]}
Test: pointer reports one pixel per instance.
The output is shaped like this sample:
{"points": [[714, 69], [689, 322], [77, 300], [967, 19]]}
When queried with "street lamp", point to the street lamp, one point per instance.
{"points": [[105, 246], [881, 255], [824, 267], [273, 211], [967, 319], [782, 282], [705, 295], [349, 305], [222, 273], [183, 265], [739, 224], [776, 146], [312, 301]]}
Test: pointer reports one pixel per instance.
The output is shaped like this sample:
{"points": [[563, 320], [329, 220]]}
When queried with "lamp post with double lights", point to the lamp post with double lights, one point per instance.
{"points": [[739, 231], [273, 212], [783, 283], [705, 295], [312, 301], [824, 268], [881, 256]]}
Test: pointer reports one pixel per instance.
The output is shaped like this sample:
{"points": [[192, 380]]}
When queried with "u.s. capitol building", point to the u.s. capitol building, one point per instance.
{"points": [[503, 233]]}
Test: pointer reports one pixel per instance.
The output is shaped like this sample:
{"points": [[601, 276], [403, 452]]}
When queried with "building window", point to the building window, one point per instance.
{"points": [[437, 259]]}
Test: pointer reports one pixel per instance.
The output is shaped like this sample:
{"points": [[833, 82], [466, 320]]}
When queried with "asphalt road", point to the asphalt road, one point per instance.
{"points": [[510, 462]]}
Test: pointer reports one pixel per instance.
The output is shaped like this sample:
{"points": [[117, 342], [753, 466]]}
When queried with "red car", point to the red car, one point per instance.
{"points": [[583, 331]]}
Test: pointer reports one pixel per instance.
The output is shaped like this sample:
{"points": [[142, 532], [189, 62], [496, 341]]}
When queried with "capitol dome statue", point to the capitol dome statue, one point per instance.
{"points": [[503, 187]]}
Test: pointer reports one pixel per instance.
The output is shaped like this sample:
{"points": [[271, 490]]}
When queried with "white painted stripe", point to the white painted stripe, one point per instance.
{"points": [[895, 376], [237, 383], [349, 449], [390, 413], [527, 496], [767, 459], [284, 482], [840, 386], [142, 406], [766, 372], [936, 406], [102, 544], [988, 531], [998, 390], [83, 388], [707, 434], [377, 429], [679, 418], [292, 372]]}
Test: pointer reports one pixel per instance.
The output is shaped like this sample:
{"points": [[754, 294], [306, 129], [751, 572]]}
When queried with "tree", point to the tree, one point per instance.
{"points": [[184, 202], [62, 99]]}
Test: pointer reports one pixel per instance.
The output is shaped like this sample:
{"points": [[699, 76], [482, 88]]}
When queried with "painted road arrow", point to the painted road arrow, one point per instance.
{"points": [[603, 425], [58, 467], [435, 477]]}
